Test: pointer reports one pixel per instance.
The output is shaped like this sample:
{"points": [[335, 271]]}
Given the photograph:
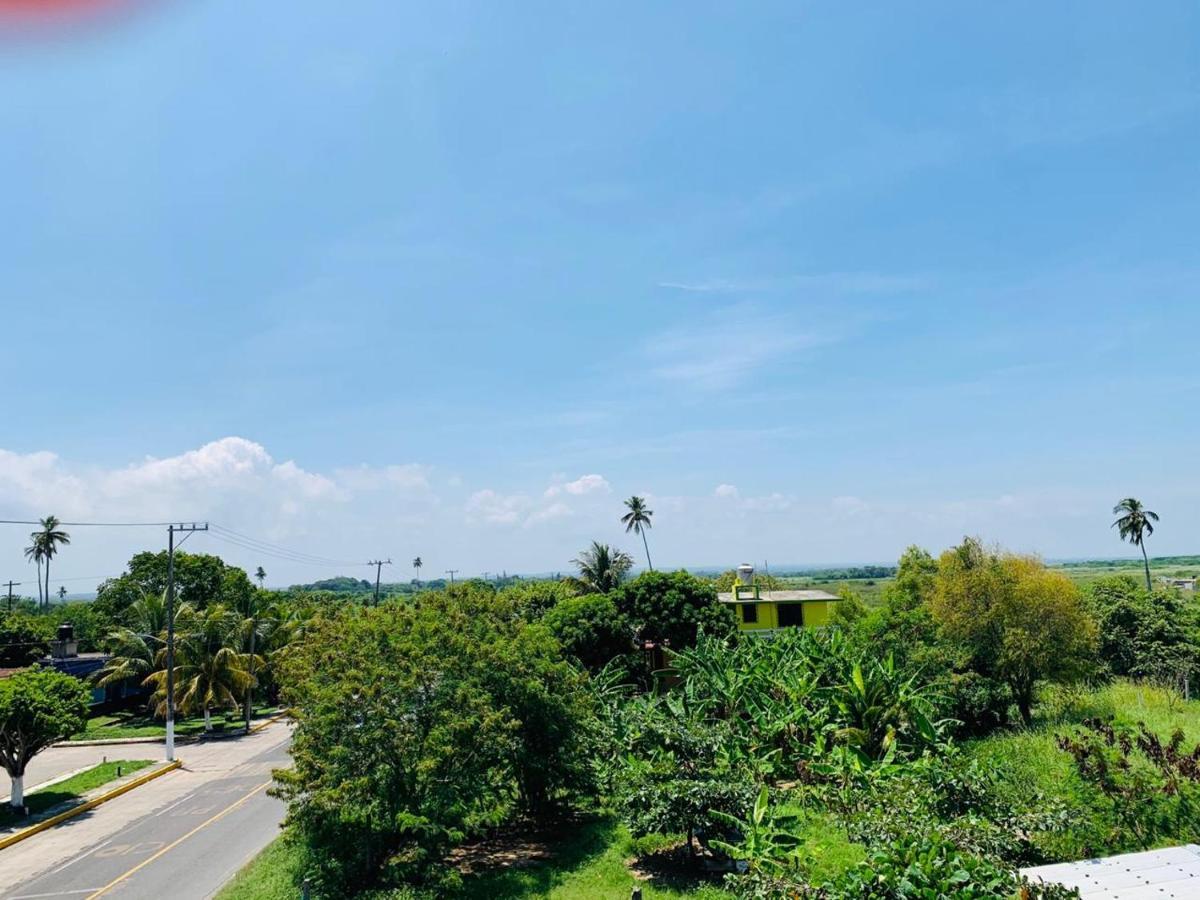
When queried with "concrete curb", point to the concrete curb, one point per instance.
{"points": [[179, 739], [87, 805]]}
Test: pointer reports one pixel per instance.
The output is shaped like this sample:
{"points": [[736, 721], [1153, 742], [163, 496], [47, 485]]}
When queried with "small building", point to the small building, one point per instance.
{"points": [[761, 611]]}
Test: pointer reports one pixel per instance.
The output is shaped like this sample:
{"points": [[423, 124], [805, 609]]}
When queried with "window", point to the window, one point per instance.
{"points": [[791, 615], [749, 613]]}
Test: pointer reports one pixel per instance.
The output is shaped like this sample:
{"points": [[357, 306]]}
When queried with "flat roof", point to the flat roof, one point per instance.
{"points": [[778, 596], [1173, 872]]}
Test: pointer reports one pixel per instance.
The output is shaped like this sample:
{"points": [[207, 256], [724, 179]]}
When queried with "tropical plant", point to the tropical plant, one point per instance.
{"points": [[260, 575], [37, 708], [637, 520], [601, 568], [48, 540], [1134, 524], [767, 840], [34, 554], [416, 564], [211, 672], [672, 608]]}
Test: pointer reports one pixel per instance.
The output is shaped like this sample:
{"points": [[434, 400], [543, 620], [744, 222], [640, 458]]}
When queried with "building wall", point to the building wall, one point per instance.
{"points": [[816, 614]]}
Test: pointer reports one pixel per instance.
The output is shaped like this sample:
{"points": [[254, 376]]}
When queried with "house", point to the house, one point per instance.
{"points": [[763, 612]]}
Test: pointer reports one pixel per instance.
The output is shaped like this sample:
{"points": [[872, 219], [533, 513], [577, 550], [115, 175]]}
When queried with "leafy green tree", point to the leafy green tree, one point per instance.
{"points": [[47, 541], [200, 580], [672, 607], [601, 568], [637, 520], [451, 715], [24, 639], [533, 599], [37, 708], [591, 630], [1145, 634], [1018, 621], [1134, 524]]}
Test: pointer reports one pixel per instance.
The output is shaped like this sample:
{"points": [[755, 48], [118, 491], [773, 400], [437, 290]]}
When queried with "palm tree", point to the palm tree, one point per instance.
{"points": [[1135, 524], [33, 553], [134, 651], [62, 593], [210, 669], [638, 520], [601, 568], [417, 568], [48, 540], [260, 575]]}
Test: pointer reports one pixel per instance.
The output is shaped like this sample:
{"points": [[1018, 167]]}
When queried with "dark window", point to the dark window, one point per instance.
{"points": [[791, 615], [750, 612]]}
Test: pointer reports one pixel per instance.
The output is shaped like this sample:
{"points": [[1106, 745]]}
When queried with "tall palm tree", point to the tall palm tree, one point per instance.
{"points": [[62, 593], [638, 520], [601, 568], [33, 553], [1135, 524], [134, 650], [260, 575], [210, 669], [49, 539], [417, 568]]}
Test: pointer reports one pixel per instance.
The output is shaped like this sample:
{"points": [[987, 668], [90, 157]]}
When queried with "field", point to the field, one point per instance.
{"points": [[597, 858]]}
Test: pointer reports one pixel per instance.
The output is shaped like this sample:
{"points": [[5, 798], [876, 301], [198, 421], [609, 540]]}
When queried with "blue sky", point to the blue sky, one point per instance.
{"points": [[453, 279]]}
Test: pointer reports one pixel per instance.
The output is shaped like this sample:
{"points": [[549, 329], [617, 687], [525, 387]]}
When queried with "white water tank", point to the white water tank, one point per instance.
{"points": [[745, 574]]}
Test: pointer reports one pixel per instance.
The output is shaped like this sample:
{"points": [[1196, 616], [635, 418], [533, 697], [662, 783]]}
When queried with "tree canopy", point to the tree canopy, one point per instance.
{"points": [[37, 708]]}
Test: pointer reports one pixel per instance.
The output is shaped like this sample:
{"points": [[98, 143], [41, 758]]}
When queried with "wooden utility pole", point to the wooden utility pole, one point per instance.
{"points": [[378, 564], [171, 530]]}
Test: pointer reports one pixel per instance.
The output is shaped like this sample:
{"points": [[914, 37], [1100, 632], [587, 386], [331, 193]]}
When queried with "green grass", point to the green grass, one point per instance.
{"points": [[73, 788], [591, 862], [137, 723]]}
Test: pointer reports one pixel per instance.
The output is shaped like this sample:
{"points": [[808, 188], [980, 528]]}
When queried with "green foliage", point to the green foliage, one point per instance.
{"points": [[38, 707], [200, 580], [672, 608], [534, 599], [590, 630], [451, 714], [1145, 634], [24, 638], [1019, 622], [601, 568]]}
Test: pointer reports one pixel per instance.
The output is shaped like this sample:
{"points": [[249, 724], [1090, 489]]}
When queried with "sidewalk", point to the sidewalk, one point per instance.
{"points": [[59, 762], [202, 763]]}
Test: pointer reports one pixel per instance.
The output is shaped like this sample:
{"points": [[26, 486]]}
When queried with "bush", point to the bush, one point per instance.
{"points": [[590, 630], [672, 608]]}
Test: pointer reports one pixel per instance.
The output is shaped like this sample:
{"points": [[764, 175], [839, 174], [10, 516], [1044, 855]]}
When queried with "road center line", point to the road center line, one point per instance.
{"points": [[171, 846]]}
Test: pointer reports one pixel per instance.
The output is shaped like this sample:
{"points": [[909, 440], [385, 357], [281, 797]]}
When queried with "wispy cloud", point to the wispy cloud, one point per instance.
{"points": [[721, 351], [828, 282]]}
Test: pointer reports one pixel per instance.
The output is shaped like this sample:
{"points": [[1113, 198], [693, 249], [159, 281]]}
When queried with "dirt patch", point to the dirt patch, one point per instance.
{"points": [[508, 849]]}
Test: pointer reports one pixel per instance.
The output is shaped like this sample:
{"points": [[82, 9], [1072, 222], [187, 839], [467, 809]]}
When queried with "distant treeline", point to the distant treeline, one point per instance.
{"points": [[1131, 562], [842, 574]]}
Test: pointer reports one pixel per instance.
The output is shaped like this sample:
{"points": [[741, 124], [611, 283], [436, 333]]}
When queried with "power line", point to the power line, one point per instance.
{"points": [[285, 555], [270, 545]]}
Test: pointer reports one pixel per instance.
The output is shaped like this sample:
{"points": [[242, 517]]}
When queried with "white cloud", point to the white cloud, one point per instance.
{"points": [[585, 484], [549, 514], [495, 508], [849, 506], [727, 491]]}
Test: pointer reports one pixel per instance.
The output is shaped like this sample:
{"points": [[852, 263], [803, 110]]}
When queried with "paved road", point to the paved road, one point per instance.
{"points": [[59, 761], [185, 849]]}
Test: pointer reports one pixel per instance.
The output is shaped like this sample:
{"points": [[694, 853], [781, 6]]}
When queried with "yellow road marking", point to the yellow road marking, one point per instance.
{"points": [[171, 846]]}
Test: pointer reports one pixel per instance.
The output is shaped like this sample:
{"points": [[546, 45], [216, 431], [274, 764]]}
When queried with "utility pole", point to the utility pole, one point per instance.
{"points": [[378, 564], [452, 573], [10, 587], [171, 529]]}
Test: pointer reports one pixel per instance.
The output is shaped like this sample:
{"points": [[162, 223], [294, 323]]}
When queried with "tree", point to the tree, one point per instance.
{"points": [[260, 575], [37, 708], [33, 553], [24, 639], [590, 629], [417, 568], [1145, 634], [1134, 524], [1018, 621], [450, 716], [638, 521], [210, 669], [200, 580], [48, 541], [672, 607], [62, 594], [134, 652], [601, 568]]}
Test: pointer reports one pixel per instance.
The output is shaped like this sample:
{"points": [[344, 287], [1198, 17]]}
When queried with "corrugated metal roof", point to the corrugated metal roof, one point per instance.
{"points": [[777, 596], [1162, 874]]}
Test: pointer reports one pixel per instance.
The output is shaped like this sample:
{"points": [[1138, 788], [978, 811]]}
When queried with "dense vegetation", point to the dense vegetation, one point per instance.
{"points": [[1015, 718]]}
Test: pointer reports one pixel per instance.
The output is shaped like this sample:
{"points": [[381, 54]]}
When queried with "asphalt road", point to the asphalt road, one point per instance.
{"points": [[186, 850]]}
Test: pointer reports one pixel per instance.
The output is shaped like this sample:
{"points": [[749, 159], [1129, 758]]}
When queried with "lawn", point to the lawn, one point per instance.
{"points": [[137, 723], [591, 861], [73, 788]]}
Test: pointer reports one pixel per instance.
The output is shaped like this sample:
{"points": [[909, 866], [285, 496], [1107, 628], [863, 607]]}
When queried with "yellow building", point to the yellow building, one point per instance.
{"points": [[762, 612]]}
